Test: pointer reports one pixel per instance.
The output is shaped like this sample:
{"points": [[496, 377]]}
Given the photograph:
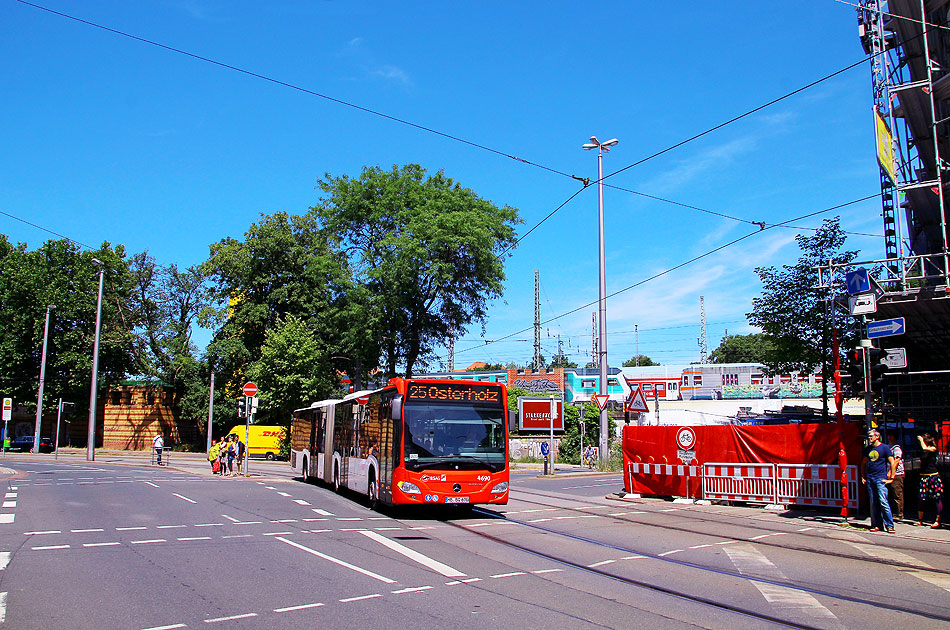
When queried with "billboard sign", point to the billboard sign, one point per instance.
{"points": [[885, 147], [534, 414]]}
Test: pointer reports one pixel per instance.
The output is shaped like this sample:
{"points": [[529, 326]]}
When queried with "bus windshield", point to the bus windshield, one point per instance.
{"points": [[454, 436]]}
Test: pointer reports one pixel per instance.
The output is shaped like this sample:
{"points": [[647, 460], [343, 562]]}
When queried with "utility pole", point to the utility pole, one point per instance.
{"points": [[702, 331], [39, 396], [537, 361]]}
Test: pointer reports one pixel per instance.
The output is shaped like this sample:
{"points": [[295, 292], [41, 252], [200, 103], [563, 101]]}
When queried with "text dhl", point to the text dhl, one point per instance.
{"points": [[436, 392]]}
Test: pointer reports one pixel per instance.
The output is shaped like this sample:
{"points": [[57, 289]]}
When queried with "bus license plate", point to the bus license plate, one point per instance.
{"points": [[456, 499]]}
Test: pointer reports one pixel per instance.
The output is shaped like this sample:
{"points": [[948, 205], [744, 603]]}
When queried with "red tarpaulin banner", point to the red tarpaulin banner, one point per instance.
{"points": [[759, 444]]}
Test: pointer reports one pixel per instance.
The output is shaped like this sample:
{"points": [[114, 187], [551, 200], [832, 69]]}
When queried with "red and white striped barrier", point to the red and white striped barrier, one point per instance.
{"points": [[739, 482], [812, 484], [646, 475]]}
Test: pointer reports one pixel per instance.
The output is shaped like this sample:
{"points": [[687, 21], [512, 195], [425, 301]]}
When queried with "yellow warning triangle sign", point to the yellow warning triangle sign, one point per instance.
{"points": [[637, 401]]}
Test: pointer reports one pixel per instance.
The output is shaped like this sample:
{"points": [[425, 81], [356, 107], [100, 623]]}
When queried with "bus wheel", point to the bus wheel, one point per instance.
{"points": [[336, 480], [373, 492]]}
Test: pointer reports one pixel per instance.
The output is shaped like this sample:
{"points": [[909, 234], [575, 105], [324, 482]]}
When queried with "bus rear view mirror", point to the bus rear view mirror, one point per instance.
{"points": [[397, 408]]}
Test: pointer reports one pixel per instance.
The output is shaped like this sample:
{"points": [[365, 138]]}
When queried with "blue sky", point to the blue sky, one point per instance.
{"points": [[110, 139]]}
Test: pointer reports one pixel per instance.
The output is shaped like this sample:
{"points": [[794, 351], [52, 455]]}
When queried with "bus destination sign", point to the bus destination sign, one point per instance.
{"points": [[454, 392]]}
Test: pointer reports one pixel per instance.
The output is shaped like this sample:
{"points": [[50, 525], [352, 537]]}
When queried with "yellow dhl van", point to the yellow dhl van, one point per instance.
{"points": [[262, 441]]}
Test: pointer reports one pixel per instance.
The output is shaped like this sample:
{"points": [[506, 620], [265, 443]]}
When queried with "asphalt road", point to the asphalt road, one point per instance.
{"points": [[105, 545]]}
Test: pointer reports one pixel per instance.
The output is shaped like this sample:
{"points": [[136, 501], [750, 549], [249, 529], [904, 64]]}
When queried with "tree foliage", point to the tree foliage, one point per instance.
{"points": [[644, 361], [791, 311], [426, 250], [753, 348], [61, 274]]}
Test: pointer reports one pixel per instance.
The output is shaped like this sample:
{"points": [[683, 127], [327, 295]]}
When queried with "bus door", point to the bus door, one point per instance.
{"points": [[325, 469], [319, 441]]}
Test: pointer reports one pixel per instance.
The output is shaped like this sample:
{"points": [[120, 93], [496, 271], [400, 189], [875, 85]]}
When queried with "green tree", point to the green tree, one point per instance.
{"points": [[644, 361], [61, 274], [753, 348], [427, 251], [284, 266], [790, 311], [294, 370]]}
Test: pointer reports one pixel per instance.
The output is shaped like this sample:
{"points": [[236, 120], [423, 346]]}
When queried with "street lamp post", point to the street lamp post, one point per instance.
{"points": [[91, 434], [39, 395], [602, 147]]}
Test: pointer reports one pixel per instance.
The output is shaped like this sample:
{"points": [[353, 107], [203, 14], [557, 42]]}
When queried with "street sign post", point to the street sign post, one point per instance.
{"points": [[863, 304], [637, 401], [886, 328], [858, 281], [896, 358], [7, 414]]}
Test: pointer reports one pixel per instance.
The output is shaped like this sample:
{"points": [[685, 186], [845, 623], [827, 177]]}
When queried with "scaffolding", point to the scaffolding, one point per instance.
{"points": [[909, 44]]}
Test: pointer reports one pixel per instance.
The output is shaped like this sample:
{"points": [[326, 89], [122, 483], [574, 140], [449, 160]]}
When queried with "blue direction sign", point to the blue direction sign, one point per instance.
{"points": [[545, 449], [886, 328], [858, 281]]}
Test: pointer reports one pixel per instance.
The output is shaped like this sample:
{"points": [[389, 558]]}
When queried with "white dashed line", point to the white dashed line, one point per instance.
{"points": [[210, 525], [48, 531], [102, 544], [301, 502], [170, 526], [148, 542], [181, 496], [542, 571], [188, 538], [283, 494], [504, 575], [231, 618], [86, 531], [48, 547], [361, 597], [301, 607], [323, 512], [171, 627], [129, 529], [600, 564], [4, 559], [155, 486], [669, 553], [277, 534], [411, 589]]}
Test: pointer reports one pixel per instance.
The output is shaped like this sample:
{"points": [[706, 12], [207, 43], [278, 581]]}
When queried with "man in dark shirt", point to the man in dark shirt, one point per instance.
{"points": [[877, 470]]}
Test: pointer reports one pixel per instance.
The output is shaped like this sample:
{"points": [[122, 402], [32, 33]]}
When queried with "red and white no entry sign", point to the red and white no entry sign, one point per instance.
{"points": [[250, 389]]}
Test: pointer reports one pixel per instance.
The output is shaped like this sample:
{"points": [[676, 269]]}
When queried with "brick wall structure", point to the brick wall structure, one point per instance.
{"points": [[132, 414]]}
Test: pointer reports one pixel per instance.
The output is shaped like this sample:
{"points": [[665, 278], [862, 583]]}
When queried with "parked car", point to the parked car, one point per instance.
{"points": [[24, 444]]}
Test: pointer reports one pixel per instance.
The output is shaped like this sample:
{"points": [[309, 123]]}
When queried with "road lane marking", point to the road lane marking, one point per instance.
{"points": [[171, 627], [892, 555], [48, 547], [342, 563], [323, 512], [4, 559], [599, 564], [542, 571], [86, 531], [300, 607], [10, 495], [231, 618], [412, 554], [301, 502], [669, 553], [277, 534], [210, 525], [187, 538], [700, 546], [231, 518], [129, 529], [283, 494], [285, 520], [48, 531], [9, 504], [504, 575], [753, 564], [248, 522], [148, 542], [361, 597], [102, 544], [411, 589], [170, 526], [237, 536], [181, 496], [3, 606]]}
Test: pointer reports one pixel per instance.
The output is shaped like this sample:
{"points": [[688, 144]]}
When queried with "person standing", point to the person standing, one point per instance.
{"points": [[240, 454], [877, 470], [213, 457], [158, 443], [223, 456], [895, 491], [232, 453], [931, 486]]}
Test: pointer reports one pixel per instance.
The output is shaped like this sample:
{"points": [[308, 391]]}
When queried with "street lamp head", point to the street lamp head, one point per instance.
{"points": [[610, 143], [49, 306], [96, 261], [594, 140], [588, 146]]}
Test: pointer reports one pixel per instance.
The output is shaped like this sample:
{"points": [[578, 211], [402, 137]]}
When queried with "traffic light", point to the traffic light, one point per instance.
{"points": [[877, 368], [856, 371], [242, 408]]}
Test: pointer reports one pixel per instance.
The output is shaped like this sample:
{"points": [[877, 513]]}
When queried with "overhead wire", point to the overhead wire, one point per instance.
{"points": [[681, 265]]}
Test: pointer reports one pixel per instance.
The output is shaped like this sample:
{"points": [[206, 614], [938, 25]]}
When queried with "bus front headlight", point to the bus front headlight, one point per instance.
{"points": [[500, 488], [408, 487]]}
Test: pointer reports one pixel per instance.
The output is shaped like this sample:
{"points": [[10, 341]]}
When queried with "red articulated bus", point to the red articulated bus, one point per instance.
{"points": [[413, 442]]}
